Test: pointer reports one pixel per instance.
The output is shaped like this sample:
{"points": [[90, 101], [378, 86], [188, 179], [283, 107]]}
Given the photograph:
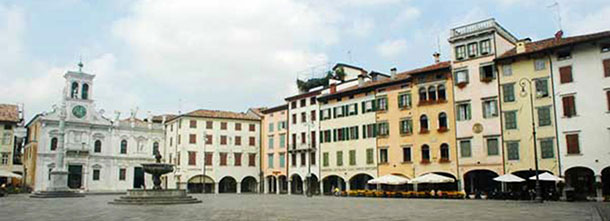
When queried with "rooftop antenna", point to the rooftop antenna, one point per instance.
{"points": [[557, 13], [349, 56]]}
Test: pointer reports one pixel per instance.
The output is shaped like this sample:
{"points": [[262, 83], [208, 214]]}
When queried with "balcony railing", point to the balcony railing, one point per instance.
{"points": [[467, 29]]}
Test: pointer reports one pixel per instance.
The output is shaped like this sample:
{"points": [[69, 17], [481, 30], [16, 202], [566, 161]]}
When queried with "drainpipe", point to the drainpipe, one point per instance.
{"points": [[555, 115]]}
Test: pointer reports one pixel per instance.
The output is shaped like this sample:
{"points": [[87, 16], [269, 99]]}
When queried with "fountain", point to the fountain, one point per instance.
{"points": [[156, 195]]}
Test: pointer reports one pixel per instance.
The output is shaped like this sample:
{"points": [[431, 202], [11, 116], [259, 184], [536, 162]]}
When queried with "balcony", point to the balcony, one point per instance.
{"points": [[474, 27]]}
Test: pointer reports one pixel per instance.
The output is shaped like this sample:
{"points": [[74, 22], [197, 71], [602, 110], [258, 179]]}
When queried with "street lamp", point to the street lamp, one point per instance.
{"points": [[308, 178], [205, 140], [522, 83]]}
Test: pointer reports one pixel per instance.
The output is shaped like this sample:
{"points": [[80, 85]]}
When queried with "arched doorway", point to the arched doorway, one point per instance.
{"points": [[283, 188], [248, 185], [200, 184], [227, 185], [606, 181], [480, 181], [331, 182], [314, 185], [359, 181], [271, 184], [296, 184], [581, 179]]}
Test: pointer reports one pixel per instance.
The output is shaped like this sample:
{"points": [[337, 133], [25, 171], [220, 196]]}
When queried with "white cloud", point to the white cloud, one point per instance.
{"points": [[597, 21], [407, 14], [361, 27], [12, 28], [392, 48]]}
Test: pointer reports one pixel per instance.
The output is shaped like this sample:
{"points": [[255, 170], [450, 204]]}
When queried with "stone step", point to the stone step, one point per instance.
{"points": [[154, 202], [56, 194], [154, 198]]}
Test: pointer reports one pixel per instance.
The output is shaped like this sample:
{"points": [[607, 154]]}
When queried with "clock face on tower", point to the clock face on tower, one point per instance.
{"points": [[79, 111]]}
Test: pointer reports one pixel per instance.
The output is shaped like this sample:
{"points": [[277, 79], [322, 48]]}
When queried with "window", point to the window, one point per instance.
{"points": [[425, 154], [192, 138], [444, 152], [542, 87], [293, 104], [423, 124], [252, 160], [312, 158], [508, 92], [369, 155], [303, 102], [97, 146], [209, 125], [352, 109], [383, 156], [96, 174], [423, 95], [352, 157], [294, 159], [270, 160], [404, 100], [460, 52], [432, 93], [339, 158], [472, 49], [85, 93], [270, 142], [485, 47], [312, 139], [487, 72], [544, 116], [193, 124], [606, 67], [325, 159], [294, 141], [238, 127], [281, 125], [465, 148], [74, 90], [123, 147], [608, 98], [237, 159], [252, 127], [313, 115], [282, 140], [223, 159], [155, 148], [382, 103], [563, 55], [513, 150], [312, 100], [4, 159], [461, 77], [442, 121], [507, 70], [303, 140], [442, 96], [192, 158], [569, 106], [492, 147], [252, 141], [223, 140], [605, 48], [463, 112], [510, 120], [282, 160], [122, 173], [565, 74], [178, 159], [369, 130], [539, 64], [303, 117], [573, 143], [384, 129], [368, 106], [546, 148], [406, 154], [294, 118], [223, 125], [53, 142], [178, 139], [238, 141], [406, 126], [208, 139], [208, 158], [303, 159], [490, 108]]}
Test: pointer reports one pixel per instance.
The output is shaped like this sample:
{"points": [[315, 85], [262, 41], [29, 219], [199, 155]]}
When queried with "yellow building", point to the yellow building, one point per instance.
{"points": [[521, 75], [9, 120], [30, 152], [274, 129], [421, 136]]}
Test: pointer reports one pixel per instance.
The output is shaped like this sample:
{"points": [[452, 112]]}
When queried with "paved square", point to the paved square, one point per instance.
{"points": [[272, 207]]}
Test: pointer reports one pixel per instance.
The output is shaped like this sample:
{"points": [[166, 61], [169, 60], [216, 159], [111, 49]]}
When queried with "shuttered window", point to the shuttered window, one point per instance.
{"points": [[569, 107], [208, 159], [565, 74], [572, 143], [237, 159], [192, 158], [607, 68], [223, 159]]}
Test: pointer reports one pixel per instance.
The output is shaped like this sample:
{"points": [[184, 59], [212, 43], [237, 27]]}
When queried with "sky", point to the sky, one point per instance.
{"points": [[170, 56]]}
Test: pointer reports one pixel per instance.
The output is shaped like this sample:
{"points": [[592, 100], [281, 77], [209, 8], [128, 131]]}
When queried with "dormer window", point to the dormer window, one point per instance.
{"points": [[564, 55], [85, 92], [74, 90]]}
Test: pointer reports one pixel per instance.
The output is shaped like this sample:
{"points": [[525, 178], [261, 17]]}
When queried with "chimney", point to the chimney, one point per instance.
{"points": [[559, 35], [437, 57], [521, 45], [360, 80], [393, 73], [333, 88]]}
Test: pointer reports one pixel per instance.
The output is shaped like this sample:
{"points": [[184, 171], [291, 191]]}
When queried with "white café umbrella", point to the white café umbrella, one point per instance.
{"points": [[509, 178], [432, 178], [546, 176], [4, 173], [389, 180]]}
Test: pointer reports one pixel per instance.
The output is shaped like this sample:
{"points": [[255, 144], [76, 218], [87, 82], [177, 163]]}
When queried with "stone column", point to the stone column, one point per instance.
{"points": [[216, 188], [266, 186], [304, 188], [289, 187], [598, 191], [322, 188], [238, 187], [347, 186], [277, 186]]}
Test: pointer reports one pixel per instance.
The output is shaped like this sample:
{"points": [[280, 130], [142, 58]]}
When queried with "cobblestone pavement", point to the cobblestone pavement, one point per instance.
{"points": [[283, 207]]}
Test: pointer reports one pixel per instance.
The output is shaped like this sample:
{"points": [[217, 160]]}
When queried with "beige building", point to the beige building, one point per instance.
{"points": [[274, 129], [9, 122]]}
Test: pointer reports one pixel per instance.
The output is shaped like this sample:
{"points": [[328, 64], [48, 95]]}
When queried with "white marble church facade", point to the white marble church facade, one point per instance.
{"points": [[101, 154]]}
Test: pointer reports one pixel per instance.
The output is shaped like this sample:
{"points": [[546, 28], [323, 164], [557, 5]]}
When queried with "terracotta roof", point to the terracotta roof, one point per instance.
{"points": [[159, 118], [552, 43], [275, 109], [220, 114], [258, 110], [9, 113], [370, 85]]}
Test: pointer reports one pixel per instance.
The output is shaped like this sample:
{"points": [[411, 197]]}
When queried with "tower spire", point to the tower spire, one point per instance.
{"points": [[80, 64]]}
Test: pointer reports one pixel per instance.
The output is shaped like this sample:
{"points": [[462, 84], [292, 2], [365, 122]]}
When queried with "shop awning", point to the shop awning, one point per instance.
{"points": [[4, 173], [509, 178], [546, 176], [389, 180], [432, 178]]}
